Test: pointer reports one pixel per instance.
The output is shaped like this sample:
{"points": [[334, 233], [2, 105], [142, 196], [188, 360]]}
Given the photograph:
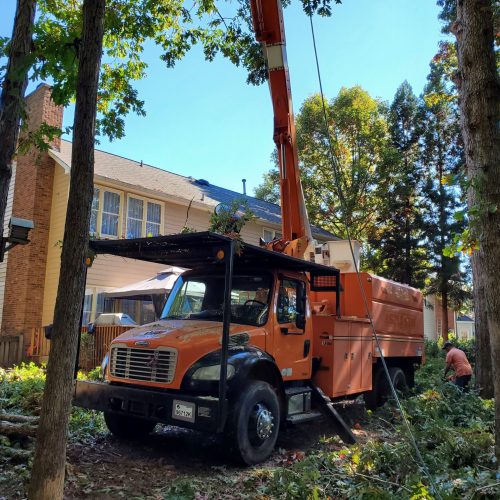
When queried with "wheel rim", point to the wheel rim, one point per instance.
{"points": [[261, 424]]}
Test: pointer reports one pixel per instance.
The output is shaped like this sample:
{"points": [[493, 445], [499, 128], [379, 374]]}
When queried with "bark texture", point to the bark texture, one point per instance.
{"points": [[479, 92], [47, 477], [13, 90], [482, 367]]}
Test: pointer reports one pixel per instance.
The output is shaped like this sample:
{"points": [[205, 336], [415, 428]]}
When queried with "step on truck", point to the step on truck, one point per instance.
{"points": [[250, 340]]}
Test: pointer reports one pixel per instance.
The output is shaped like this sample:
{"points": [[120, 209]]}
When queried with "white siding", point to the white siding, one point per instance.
{"points": [[465, 329], [8, 214], [430, 318]]}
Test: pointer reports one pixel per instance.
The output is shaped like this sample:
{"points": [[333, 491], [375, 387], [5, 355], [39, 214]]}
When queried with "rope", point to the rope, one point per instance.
{"points": [[340, 193]]}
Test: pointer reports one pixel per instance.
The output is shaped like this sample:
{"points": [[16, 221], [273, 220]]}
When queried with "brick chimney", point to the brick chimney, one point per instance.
{"points": [[24, 285]]}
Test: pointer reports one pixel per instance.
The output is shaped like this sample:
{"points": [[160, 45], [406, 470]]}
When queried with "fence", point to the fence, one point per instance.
{"points": [[93, 347], [11, 350]]}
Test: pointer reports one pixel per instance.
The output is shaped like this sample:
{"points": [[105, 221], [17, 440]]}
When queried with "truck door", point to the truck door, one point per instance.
{"points": [[292, 337]]}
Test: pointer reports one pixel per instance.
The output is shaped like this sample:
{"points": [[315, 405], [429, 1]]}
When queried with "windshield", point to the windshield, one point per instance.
{"points": [[202, 297]]}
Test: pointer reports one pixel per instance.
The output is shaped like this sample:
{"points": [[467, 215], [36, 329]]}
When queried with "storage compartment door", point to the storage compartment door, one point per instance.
{"points": [[356, 364], [341, 364]]}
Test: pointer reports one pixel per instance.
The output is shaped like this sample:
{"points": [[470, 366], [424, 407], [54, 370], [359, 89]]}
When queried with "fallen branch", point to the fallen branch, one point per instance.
{"points": [[10, 417], [7, 451], [375, 478], [21, 429]]}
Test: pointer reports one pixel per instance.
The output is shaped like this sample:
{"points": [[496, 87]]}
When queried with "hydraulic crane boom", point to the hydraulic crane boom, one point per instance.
{"points": [[269, 29]]}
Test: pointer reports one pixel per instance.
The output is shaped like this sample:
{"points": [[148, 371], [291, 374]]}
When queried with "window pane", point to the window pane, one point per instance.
{"points": [[87, 307], [99, 308], [95, 211], [135, 208], [109, 224], [287, 301], [152, 229], [267, 235], [154, 213], [93, 222], [129, 307], [111, 202], [147, 312], [134, 228], [135, 213], [110, 213]]}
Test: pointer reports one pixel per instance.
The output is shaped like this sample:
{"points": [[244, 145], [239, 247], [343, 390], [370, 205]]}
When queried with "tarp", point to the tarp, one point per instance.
{"points": [[159, 284]]}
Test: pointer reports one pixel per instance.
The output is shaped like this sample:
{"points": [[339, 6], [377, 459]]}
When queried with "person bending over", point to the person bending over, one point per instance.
{"points": [[457, 361]]}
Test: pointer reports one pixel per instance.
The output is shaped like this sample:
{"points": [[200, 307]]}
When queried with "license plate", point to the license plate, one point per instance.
{"points": [[182, 410]]}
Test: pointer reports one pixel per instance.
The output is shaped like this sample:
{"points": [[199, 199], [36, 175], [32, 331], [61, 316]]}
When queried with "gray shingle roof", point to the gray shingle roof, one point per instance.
{"points": [[167, 184]]}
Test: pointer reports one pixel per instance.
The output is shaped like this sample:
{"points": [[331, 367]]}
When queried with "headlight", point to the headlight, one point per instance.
{"points": [[211, 372], [104, 365]]}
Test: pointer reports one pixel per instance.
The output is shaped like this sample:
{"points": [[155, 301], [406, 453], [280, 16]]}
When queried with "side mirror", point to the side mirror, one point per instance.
{"points": [[300, 321], [91, 328]]}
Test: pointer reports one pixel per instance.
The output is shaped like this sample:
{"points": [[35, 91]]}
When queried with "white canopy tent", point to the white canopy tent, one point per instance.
{"points": [[160, 284]]}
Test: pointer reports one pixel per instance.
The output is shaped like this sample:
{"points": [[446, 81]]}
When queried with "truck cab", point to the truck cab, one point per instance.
{"points": [[270, 314]]}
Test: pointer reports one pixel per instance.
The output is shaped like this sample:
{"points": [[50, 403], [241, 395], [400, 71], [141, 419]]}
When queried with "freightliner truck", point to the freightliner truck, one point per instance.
{"points": [[253, 337]]}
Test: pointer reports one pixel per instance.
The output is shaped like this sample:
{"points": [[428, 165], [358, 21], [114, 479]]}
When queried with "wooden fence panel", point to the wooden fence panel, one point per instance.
{"points": [[103, 337], [93, 347], [11, 350]]}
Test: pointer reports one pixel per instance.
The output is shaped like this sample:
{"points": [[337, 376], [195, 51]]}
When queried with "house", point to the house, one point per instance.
{"points": [[433, 318], [131, 199], [465, 327]]}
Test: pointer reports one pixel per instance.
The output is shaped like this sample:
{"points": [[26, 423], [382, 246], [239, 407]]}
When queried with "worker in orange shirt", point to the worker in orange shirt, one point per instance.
{"points": [[457, 361]]}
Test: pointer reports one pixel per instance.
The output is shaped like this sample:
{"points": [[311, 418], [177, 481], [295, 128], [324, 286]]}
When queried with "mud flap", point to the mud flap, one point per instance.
{"points": [[340, 426]]}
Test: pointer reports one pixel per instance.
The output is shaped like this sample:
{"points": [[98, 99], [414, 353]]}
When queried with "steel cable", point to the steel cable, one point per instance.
{"points": [[340, 193]]}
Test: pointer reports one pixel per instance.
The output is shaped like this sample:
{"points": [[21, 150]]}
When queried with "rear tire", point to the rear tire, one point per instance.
{"points": [[381, 391], [254, 423], [128, 427]]}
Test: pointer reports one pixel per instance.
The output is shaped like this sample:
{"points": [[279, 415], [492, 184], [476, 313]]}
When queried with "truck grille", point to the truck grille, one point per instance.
{"points": [[152, 365]]}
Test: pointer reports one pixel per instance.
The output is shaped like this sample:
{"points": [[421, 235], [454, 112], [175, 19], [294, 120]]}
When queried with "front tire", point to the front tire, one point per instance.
{"points": [[128, 427], [254, 424]]}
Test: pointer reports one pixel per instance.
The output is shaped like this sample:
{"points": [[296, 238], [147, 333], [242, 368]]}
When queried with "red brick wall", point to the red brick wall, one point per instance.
{"points": [[32, 200]]}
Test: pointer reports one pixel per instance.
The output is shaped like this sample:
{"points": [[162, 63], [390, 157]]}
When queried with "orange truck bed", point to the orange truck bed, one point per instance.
{"points": [[346, 345]]}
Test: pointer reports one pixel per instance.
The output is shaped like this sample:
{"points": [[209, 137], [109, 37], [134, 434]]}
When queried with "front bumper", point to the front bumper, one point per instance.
{"points": [[174, 408]]}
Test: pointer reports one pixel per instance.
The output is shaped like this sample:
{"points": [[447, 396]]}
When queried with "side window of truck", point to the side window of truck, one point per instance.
{"points": [[288, 307]]}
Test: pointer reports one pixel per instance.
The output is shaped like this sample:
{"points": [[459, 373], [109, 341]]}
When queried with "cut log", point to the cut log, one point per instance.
{"points": [[11, 417], [21, 429], [7, 451]]}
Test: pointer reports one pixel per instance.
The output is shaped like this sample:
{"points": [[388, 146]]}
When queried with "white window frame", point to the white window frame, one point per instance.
{"points": [[145, 213], [99, 232], [272, 231]]}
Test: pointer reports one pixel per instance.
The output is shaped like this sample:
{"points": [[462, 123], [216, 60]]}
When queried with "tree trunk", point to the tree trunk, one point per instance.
{"points": [[479, 91], [47, 477], [12, 98], [482, 368], [444, 315]]}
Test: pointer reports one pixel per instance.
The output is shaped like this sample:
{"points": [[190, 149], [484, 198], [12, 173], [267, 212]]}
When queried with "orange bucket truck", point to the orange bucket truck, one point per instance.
{"points": [[249, 340]]}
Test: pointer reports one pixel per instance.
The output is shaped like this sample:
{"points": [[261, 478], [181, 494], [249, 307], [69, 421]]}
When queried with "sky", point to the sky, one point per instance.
{"points": [[203, 120]]}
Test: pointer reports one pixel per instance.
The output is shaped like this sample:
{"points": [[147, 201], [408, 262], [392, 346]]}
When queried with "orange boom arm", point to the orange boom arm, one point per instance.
{"points": [[269, 29]]}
